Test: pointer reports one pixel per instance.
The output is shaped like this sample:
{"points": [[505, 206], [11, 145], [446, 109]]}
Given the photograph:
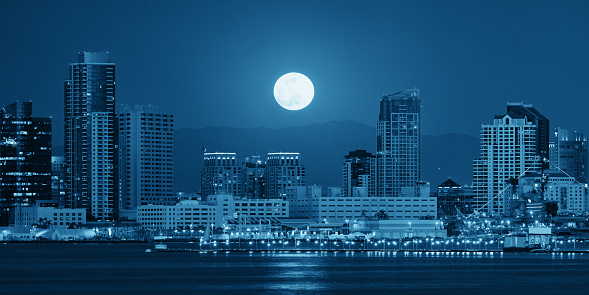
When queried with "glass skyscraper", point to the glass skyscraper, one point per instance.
{"points": [[25, 159], [398, 143]]}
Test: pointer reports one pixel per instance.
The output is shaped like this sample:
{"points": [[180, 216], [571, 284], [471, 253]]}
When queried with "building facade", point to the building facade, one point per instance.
{"points": [[359, 174], [220, 174], [90, 137], [412, 203], [58, 189], [507, 150], [301, 200], [49, 216], [283, 170], [454, 199], [570, 196], [569, 153], [398, 143], [542, 126], [146, 164], [25, 159], [215, 212], [253, 179], [186, 214]]}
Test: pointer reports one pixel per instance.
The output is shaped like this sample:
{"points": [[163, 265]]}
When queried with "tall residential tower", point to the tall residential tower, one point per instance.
{"points": [[508, 150], [90, 136], [146, 157]]}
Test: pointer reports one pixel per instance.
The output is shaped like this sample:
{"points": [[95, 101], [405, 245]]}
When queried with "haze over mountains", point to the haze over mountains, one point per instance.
{"points": [[322, 147]]}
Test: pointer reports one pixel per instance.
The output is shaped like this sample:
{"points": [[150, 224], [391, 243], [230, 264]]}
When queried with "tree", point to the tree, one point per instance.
{"points": [[551, 208], [43, 223], [381, 215]]}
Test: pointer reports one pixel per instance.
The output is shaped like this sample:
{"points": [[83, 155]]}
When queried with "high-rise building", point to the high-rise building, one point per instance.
{"points": [[569, 153], [253, 180], [507, 151], [146, 164], [359, 174], [398, 143], [25, 159], [542, 126], [283, 170], [90, 136], [220, 175]]}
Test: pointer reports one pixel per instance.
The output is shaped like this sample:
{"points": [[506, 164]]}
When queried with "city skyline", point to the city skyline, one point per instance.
{"points": [[263, 146], [509, 49]]}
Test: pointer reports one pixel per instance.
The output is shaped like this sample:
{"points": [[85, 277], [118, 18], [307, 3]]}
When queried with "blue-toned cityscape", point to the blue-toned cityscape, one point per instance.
{"points": [[115, 183], [294, 147]]}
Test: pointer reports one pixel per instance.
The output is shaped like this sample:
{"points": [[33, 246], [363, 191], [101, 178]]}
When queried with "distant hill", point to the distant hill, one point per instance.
{"points": [[322, 147]]}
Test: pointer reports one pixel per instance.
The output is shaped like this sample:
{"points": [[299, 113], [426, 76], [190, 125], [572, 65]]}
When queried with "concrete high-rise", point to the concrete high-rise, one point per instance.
{"points": [[25, 154], [91, 137], [220, 174], [398, 143], [569, 154], [358, 174], [507, 150], [146, 164], [283, 170]]}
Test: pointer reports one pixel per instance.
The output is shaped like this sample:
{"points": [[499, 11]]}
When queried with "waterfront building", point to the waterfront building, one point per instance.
{"points": [[186, 214], [399, 229], [228, 207], [220, 174], [90, 136], [568, 153], [253, 179], [301, 200], [25, 159], [570, 196], [359, 174], [454, 199], [46, 214], [412, 203], [215, 212], [507, 150], [398, 143], [146, 157], [309, 202], [283, 170]]}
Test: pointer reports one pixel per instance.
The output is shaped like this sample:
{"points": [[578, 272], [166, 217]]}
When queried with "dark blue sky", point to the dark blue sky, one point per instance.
{"points": [[215, 62]]}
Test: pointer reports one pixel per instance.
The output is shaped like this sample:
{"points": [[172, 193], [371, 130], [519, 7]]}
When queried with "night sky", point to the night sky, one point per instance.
{"points": [[216, 62]]}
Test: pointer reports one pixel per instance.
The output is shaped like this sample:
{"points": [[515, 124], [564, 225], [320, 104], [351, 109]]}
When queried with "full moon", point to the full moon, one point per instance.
{"points": [[294, 91]]}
